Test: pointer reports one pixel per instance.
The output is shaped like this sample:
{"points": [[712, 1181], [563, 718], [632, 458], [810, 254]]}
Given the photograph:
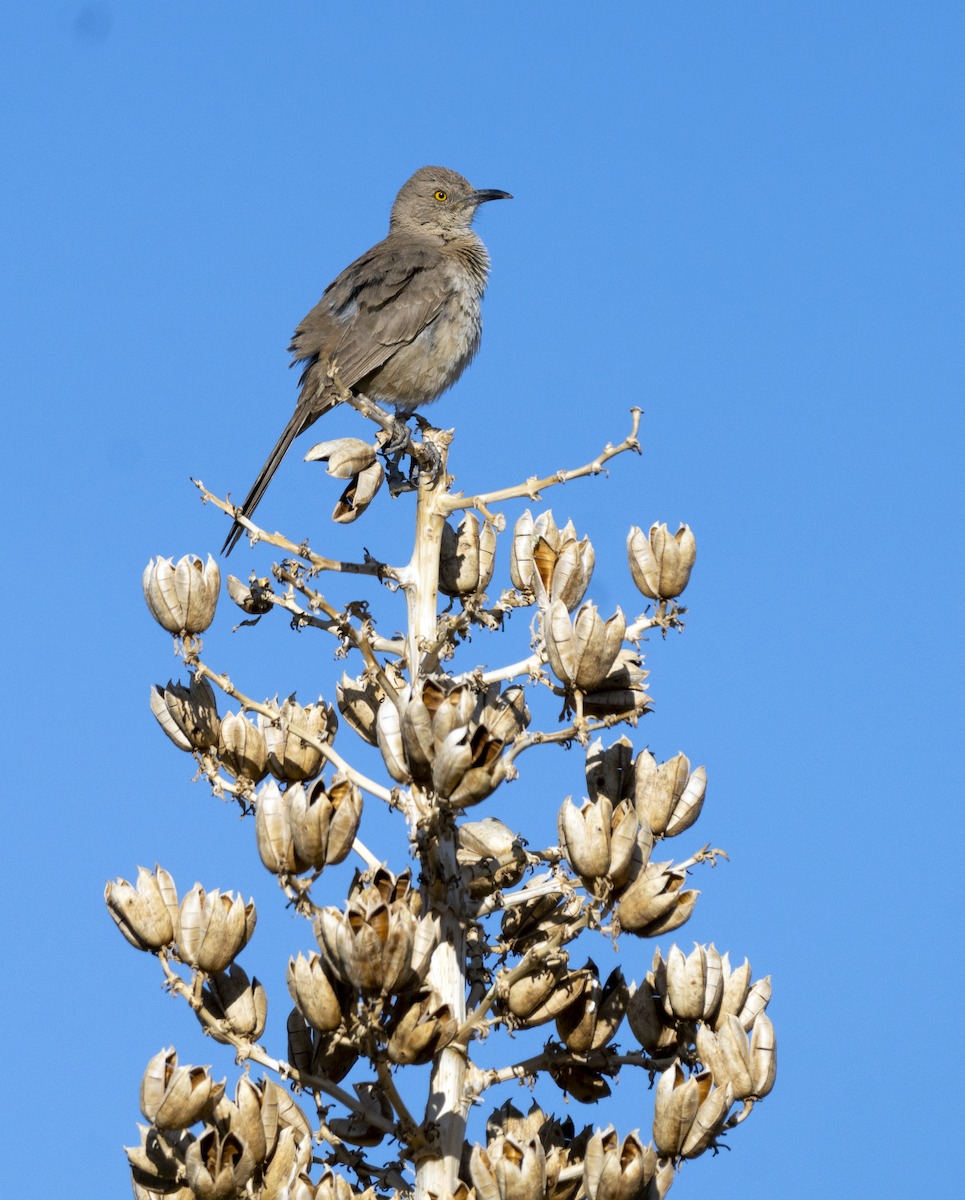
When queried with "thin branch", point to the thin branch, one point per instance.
{"points": [[541, 885], [270, 711], [600, 1060], [366, 854], [532, 487], [571, 733], [370, 567]]}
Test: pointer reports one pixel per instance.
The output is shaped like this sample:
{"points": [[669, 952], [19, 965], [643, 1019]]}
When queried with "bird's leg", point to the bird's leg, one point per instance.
{"points": [[399, 441]]}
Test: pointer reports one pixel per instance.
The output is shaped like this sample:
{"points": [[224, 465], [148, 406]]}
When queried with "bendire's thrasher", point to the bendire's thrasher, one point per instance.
{"points": [[400, 324]]}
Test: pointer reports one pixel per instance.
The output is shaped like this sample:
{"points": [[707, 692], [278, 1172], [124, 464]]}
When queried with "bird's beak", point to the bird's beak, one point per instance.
{"points": [[488, 194]]}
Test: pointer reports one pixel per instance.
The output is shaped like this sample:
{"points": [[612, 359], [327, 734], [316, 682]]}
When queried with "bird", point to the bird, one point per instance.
{"points": [[402, 322]]}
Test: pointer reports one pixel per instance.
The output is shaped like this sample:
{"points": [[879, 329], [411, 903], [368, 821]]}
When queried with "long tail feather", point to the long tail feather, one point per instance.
{"points": [[299, 422]]}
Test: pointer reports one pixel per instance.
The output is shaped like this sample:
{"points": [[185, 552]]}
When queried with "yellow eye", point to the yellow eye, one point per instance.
{"points": [[441, 196]]}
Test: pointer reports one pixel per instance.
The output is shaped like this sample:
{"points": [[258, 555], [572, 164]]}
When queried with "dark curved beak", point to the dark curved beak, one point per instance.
{"points": [[488, 194]]}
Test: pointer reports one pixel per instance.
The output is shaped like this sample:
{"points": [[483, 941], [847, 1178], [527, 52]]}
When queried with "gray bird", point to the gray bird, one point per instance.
{"points": [[403, 322]]}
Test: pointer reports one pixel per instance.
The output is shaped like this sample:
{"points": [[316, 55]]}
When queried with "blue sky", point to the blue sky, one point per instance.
{"points": [[743, 217]]}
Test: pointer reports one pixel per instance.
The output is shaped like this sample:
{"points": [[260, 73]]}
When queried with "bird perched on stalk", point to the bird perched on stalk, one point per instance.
{"points": [[402, 323]]}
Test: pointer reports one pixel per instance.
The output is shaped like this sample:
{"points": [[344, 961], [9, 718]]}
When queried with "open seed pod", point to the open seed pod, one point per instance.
{"points": [[182, 598], [654, 902], [355, 1129], [668, 798], [146, 914], [237, 1001], [214, 927], [594, 1018], [290, 757], [330, 1054], [358, 701], [324, 821], [174, 1097], [420, 1028]]}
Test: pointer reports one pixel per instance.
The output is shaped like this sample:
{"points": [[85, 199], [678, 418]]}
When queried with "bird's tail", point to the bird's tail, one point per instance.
{"points": [[299, 422]]}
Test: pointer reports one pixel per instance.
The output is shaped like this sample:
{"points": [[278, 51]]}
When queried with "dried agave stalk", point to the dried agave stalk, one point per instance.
{"points": [[399, 976]]}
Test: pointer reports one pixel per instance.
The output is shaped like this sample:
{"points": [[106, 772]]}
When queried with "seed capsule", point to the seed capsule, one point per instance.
{"points": [[146, 914], [660, 564], [182, 598], [582, 652]]}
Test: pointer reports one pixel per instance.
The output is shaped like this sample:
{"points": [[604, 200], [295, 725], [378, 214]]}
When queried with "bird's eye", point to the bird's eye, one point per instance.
{"points": [[441, 197]]}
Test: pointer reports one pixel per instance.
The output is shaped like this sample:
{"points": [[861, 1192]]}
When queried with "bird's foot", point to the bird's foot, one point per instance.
{"points": [[397, 444]]}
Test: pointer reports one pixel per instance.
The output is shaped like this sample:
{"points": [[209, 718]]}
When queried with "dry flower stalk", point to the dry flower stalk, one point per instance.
{"points": [[388, 983]]}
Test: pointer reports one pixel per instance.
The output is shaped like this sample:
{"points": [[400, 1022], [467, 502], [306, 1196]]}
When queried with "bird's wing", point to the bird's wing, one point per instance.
{"points": [[382, 301]]}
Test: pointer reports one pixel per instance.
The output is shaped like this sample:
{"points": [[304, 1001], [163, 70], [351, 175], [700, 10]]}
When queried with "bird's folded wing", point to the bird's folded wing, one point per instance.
{"points": [[386, 299]]}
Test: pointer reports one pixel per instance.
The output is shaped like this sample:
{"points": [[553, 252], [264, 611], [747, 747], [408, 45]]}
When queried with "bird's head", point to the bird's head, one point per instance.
{"points": [[438, 201]]}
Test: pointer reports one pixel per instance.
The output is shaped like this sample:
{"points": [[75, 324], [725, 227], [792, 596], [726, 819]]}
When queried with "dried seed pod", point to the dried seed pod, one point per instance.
{"points": [[661, 563], [675, 1106], [550, 563], [524, 925], [174, 1097], [213, 927], [359, 494], [420, 1029], [669, 797], [345, 456], [623, 690], [525, 996], [610, 772], [695, 984], [242, 749], [648, 1021], [156, 1162], [273, 829], [358, 701], [584, 1085], [509, 1170], [567, 991], [615, 1170], [581, 652], [315, 995], [736, 986], [376, 946], [253, 596], [324, 822], [594, 1018], [330, 1054], [747, 1066], [598, 841], [654, 902], [218, 1167], [146, 914], [240, 1003], [257, 1105], [715, 1104], [388, 731], [333, 1187], [491, 856], [466, 557], [182, 598], [290, 758], [757, 1000], [190, 712], [355, 1129]]}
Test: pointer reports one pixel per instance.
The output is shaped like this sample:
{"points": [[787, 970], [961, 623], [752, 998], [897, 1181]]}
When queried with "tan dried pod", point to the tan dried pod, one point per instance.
{"points": [[314, 993], [567, 992], [273, 831], [615, 1169], [333, 1187], [166, 720], [594, 1018], [345, 456], [521, 553], [355, 1129], [562, 565], [736, 986], [675, 1106], [193, 710], [715, 1104], [240, 1003], [258, 1106], [524, 925], [459, 557], [526, 995], [155, 1163], [509, 1169], [182, 598], [147, 913], [214, 927], [253, 596], [242, 749], [174, 1097], [324, 822], [282, 1169], [358, 701], [581, 652], [757, 1000], [661, 563], [423, 1027], [654, 902], [645, 1016], [734, 1062], [763, 1056], [584, 1085], [358, 495], [289, 756], [695, 984], [610, 772], [624, 690], [388, 731], [669, 797], [141, 1192], [491, 856], [218, 1167]]}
